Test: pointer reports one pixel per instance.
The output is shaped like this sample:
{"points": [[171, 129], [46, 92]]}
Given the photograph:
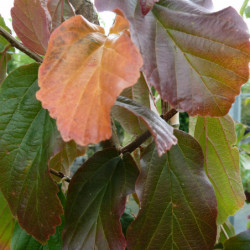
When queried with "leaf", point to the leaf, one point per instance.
{"points": [[217, 137], [196, 59], [147, 5], [162, 131], [65, 157], [240, 242], [21, 240], [31, 21], [6, 223], [92, 69], [96, 200], [3, 42], [178, 205], [139, 93], [56, 9], [205, 3], [27, 140]]}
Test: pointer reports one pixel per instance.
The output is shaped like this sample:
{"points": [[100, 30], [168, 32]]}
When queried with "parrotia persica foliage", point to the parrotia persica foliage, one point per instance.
{"points": [[179, 52]]}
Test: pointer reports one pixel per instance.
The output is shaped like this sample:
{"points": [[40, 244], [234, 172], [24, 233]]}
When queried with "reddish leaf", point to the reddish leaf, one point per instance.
{"points": [[27, 140], [178, 204], [196, 59], [96, 200], [205, 3], [57, 9], [162, 131], [82, 74], [31, 22], [147, 5]]}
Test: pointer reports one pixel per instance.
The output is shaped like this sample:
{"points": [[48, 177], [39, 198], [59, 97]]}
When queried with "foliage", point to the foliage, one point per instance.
{"points": [[71, 90]]}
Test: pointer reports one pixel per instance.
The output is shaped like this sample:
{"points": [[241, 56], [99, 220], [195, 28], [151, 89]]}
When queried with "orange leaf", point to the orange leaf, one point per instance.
{"points": [[83, 73]]}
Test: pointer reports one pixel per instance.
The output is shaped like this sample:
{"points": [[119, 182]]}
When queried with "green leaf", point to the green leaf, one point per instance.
{"points": [[23, 241], [6, 223], [96, 201], [126, 220], [239, 242], [27, 140], [161, 131], [246, 147], [3, 41], [178, 204], [217, 137], [196, 59]]}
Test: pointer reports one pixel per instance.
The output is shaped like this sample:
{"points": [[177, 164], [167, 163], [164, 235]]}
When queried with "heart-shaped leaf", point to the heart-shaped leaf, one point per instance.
{"points": [[27, 140], [162, 131], [178, 204], [96, 200], [217, 137], [32, 22], [196, 59], [82, 74]]}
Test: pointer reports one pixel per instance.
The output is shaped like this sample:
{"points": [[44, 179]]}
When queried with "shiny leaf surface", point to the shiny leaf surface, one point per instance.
{"points": [[27, 139], [92, 70], [178, 204], [96, 200], [196, 59], [217, 137]]}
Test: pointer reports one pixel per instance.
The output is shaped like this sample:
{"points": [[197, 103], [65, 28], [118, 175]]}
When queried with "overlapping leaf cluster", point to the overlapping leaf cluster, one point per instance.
{"points": [[186, 186]]}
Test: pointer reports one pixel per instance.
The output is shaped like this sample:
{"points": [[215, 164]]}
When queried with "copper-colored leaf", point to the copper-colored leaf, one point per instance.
{"points": [[31, 22], [196, 59], [82, 74]]}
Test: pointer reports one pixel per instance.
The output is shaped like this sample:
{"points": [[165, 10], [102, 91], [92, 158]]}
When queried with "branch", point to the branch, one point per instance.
{"points": [[15, 43], [142, 138], [59, 174]]}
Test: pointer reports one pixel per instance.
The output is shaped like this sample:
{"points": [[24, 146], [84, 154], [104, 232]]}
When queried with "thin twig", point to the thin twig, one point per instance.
{"points": [[15, 43], [143, 137], [60, 175]]}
